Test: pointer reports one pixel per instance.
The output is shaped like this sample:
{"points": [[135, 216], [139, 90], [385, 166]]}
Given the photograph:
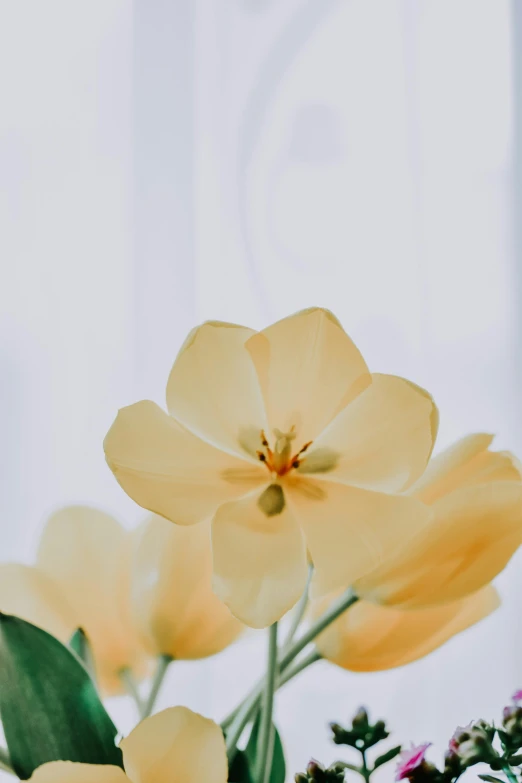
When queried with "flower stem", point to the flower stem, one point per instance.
{"points": [[157, 682], [509, 773], [128, 680], [347, 599], [265, 745], [299, 611], [241, 716]]}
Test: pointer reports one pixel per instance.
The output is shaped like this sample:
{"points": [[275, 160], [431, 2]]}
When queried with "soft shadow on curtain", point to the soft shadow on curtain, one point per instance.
{"points": [[164, 163]]}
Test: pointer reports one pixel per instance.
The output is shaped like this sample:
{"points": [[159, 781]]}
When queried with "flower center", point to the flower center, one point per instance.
{"points": [[281, 458]]}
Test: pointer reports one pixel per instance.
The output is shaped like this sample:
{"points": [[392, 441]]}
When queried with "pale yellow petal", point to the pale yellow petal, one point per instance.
{"points": [[72, 772], [213, 387], [309, 369], [474, 533], [382, 440], [465, 463], [174, 606], [168, 470], [350, 530], [175, 746], [87, 554], [260, 564], [32, 595], [374, 638]]}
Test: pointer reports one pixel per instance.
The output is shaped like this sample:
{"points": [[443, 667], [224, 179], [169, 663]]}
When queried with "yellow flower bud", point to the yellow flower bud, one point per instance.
{"points": [[476, 500], [373, 638], [173, 605], [173, 745]]}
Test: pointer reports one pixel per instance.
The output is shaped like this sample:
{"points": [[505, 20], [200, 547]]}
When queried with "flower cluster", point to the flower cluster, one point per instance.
{"points": [[296, 479]]}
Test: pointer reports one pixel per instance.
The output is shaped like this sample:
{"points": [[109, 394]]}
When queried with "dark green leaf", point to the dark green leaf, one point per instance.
{"points": [[515, 761], [278, 771], [239, 770], [48, 703], [388, 756], [491, 779]]}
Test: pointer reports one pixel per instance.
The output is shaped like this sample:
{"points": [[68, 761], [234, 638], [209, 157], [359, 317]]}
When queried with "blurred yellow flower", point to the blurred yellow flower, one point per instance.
{"points": [[373, 638], [476, 498], [289, 445], [173, 746], [173, 605], [82, 579]]}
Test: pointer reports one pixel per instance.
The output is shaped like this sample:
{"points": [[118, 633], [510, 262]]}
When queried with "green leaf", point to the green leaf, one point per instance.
{"points": [[388, 756], [79, 644], [278, 771], [491, 779], [239, 770], [48, 703]]}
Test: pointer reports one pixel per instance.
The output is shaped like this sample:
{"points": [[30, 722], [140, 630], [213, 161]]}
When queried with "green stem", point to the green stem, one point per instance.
{"points": [[299, 611], [163, 664], [238, 719], [509, 773], [347, 599], [292, 671], [131, 687], [365, 772], [265, 744]]}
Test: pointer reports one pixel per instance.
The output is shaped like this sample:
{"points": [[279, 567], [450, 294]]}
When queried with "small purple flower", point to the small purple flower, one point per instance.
{"points": [[410, 759], [517, 697]]}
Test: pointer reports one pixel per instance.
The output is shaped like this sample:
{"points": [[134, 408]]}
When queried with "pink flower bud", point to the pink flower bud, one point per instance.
{"points": [[411, 759]]}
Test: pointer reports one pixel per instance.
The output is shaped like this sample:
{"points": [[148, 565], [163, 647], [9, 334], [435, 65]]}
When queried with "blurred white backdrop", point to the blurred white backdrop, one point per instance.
{"points": [[167, 161]]}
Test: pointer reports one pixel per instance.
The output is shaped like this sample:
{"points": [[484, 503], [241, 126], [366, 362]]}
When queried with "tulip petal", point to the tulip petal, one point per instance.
{"points": [[72, 772], [174, 606], [168, 470], [383, 438], [87, 554], [213, 387], [260, 564], [374, 638], [35, 597], [309, 369], [350, 530], [175, 746], [474, 533], [466, 462]]}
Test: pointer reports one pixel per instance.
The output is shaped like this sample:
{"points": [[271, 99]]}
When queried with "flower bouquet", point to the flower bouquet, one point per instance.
{"points": [[287, 488]]}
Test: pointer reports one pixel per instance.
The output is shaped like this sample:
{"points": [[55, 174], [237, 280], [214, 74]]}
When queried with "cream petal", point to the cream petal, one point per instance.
{"points": [[176, 746], [32, 595], [168, 470], [383, 438], [87, 554], [466, 462], [374, 638], [174, 606], [309, 369], [260, 563], [213, 388], [73, 772], [349, 531], [474, 533]]}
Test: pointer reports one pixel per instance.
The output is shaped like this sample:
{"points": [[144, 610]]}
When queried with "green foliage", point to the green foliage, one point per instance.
{"points": [[48, 703]]}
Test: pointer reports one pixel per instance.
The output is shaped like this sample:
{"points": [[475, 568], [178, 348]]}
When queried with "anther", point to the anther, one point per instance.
{"points": [[261, 456]]}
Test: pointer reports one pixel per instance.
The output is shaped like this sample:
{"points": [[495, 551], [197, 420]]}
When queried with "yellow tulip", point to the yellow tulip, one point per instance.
{"points": [[476, 499], [173, 746], [287, 443], [173, 605], [81, 579], [370, 638]]}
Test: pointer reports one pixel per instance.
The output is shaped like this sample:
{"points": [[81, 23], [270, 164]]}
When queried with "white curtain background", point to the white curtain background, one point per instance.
{"points": [[167, 161]]}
